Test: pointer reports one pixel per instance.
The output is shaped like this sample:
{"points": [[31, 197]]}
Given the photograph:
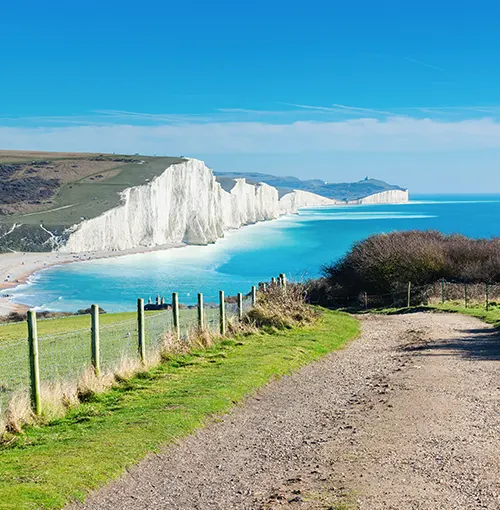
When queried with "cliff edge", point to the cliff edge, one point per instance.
{"points": [[185, 204], [75, 202]]}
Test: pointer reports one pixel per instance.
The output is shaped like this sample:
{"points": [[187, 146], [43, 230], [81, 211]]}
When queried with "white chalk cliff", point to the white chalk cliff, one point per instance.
{"points": [[393, 196], [185, 204]]}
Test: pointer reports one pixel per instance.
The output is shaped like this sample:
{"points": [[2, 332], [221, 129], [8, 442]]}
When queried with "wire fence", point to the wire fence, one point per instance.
{"points": [[68, 355], [441, 292]]}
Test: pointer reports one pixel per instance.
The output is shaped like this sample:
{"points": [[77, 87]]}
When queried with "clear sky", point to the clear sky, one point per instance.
{"points": [[403, 91]]}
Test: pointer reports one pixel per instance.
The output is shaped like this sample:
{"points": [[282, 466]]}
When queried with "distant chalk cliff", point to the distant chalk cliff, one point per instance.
{"points": [[386, 197], [185, 204]]}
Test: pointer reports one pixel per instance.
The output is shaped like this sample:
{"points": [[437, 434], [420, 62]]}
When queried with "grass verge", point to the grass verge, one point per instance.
{"points": [[491, 316], [50, 465]]}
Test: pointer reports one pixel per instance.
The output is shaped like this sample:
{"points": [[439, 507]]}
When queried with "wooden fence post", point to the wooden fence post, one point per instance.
{"points": [[365, 296], [222, 313], [283, 280], [254, 295], [409, 294], [466, 296], [95, 347], [175, 314], [201, 320], [443, 296], [240, 306], [36, 404], [487, 296], [140, 330]]}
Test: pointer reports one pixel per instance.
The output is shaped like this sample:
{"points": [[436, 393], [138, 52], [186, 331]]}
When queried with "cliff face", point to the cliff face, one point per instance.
{"points": [[184, 204], [387, 197], [292, 202]]}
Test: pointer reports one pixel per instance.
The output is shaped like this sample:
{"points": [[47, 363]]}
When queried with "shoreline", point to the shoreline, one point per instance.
{"points": [[16, 268]]}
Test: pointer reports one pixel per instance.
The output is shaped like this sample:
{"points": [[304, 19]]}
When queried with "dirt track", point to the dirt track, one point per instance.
{"points": [[407, 417]]}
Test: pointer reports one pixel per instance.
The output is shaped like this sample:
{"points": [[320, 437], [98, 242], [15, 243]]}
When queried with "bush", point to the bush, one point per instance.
{"points": [[279, 308], [383, 264]]}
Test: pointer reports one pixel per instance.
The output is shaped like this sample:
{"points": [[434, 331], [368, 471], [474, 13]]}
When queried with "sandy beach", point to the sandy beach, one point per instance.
{"points": [[17, 267]]}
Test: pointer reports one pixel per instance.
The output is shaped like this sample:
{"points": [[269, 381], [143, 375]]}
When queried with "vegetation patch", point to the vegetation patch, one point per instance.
{"points": [[280, 308], [384, 264], [490, 315], [48, 466], [52, 326]]}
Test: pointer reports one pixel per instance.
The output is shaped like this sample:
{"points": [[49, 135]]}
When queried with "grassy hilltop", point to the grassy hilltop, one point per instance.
{"points": [[59, 189]]}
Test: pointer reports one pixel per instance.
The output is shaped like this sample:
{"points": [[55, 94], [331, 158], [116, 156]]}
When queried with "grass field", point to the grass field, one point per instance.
{"points": [[49, 466], [64, 345], [84, 197], [18, 330]]}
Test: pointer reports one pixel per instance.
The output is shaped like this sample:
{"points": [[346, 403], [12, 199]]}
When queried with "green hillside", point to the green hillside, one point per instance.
{"points": [[42, 194], [58, 190]]}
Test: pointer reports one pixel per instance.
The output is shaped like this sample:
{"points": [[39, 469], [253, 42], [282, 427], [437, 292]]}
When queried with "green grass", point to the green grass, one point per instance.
{"points": [[491, 316], [92, 198], [19, 330], [50, 465]]}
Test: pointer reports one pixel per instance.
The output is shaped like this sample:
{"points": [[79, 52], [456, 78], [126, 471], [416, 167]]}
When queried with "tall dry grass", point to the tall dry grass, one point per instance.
{"points": [[58, 397], [281, 308]]}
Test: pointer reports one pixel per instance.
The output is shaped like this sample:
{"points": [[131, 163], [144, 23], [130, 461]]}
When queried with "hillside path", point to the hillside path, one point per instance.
{"points": [[406, 417]]}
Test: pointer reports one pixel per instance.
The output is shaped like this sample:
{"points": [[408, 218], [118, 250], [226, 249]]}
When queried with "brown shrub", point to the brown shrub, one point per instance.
{"points": [[383, 264]]}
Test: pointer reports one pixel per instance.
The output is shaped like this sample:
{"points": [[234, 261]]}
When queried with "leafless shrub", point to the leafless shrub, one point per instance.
{"points": [[383, 264]]}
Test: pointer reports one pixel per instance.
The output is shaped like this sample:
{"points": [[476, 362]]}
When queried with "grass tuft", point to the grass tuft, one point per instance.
{"points": [[18, 413], [279, 309]]}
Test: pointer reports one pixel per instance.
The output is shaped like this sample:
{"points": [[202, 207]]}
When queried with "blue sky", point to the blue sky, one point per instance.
{"points": [[335, 90]]}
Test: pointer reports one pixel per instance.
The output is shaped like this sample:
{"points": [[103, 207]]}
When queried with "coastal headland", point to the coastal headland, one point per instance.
{"points": [[58, 208]]}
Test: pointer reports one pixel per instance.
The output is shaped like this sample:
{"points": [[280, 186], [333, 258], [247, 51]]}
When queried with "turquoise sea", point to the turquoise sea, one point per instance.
{"points": [[296, 245]]}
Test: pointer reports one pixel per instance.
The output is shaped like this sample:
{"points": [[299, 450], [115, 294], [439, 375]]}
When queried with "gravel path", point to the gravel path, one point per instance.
{"points": [[406, 417]]}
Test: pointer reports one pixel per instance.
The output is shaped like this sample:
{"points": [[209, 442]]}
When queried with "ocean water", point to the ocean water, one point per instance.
{"points": [[297, 245]]}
